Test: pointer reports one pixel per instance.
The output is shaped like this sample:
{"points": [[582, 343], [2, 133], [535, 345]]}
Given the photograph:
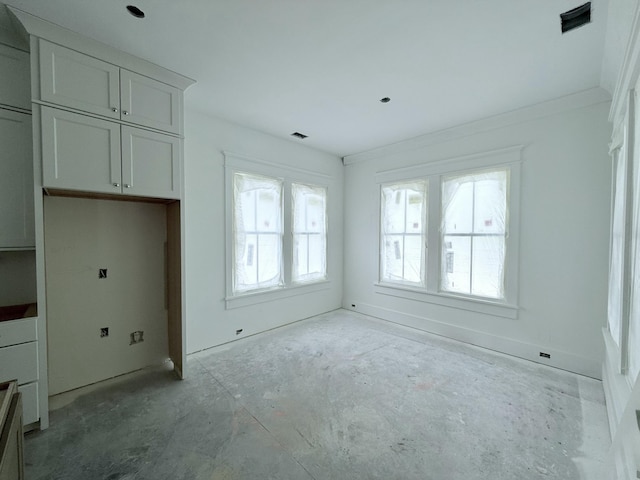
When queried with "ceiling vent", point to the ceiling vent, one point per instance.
{"points": [[576, 18], [135, 11], [299, 135]]}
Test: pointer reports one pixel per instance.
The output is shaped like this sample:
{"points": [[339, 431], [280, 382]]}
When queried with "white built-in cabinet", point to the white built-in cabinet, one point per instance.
{"points": [[123, 159], [105, 125], [129, 126], [85, 83], [16, 181]]}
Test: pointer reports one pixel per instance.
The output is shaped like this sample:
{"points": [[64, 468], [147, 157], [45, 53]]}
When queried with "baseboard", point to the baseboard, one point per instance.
{"points": [[528, 351]]}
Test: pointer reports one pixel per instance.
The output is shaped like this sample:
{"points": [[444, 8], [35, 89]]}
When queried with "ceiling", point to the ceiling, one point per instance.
{"points": [[320, 67]]}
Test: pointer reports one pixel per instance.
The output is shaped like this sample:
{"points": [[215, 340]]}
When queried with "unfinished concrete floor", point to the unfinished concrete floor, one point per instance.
{"points": [[339, 396]]}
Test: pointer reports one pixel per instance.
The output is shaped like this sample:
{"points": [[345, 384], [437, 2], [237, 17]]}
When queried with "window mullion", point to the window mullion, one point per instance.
{"points": [[473, 231], [287, 234], [433, 235]]}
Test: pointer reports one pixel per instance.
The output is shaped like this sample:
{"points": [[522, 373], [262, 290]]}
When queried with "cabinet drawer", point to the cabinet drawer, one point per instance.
{"points": [[19, 362], [13, 332], [30, 409]]}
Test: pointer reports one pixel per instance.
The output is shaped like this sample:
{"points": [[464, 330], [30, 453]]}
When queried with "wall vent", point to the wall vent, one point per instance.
{"points": [[576, 17], [299, 135]]}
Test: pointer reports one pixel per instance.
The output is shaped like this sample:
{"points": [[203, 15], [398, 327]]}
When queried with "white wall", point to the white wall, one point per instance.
{"points": [[128, 239], [564, 222], [17, 277], [209, 323]]}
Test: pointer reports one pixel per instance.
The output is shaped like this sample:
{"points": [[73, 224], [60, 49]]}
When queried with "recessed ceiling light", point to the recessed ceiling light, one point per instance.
{"points": [[385, 100], [299, 135], [135, 11]]}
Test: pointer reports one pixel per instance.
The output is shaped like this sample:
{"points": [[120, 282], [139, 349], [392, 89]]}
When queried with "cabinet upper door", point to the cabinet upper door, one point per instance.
{"points": [[80, 152], [150, 164], [78, 81], [16, 181], [15, 81], [150, 103]]}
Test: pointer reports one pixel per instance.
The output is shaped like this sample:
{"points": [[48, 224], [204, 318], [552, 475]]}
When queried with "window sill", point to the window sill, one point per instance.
{"points": [[252, 298], [454, 301]]}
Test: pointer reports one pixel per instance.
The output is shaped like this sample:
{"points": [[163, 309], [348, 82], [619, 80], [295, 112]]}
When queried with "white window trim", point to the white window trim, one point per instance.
{"points": [[238, 163], [511, 158]]}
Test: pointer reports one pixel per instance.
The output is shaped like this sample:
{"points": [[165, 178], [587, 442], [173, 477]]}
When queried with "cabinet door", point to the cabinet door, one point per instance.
{"points": [[150, 164], [80, 152], [150, 103], [78, 81], [16, 181], [15, 81]]}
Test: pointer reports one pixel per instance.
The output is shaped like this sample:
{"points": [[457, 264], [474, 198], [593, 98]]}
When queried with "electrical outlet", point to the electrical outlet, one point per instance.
{"points": [[136, 337], [104, 332]]}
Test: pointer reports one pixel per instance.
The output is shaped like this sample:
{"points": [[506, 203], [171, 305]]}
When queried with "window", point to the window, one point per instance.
{"points": [[448, 232], [276, 231], [257, 230], [309, 232], [474, 222], [402, 236]]}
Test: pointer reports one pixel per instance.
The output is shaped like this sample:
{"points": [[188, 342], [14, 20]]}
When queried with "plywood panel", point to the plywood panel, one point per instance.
{"points": [[127, 239], [174, 287]]}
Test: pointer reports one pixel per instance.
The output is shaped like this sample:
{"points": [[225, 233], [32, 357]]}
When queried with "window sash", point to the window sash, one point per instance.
{"points": [[308, 222], [248, 250], [478, 201], [408, 225]]}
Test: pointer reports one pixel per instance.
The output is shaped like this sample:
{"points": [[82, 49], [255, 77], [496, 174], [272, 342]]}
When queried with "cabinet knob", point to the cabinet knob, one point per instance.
{"points": [[116, 184], [125, 112], [126, 185], [114, 109]]}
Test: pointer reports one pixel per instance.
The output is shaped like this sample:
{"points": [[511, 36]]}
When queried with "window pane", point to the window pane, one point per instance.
{"points": [[257, 230], [392, 258], [415, 212], [413, 260], [456, 264], [488, 261], [393, 205], [490, 203], [268, 260], [247, 275], [317, 247], [474, 224], [268, 211], [457, 201], [309, 232], [402, 224]]}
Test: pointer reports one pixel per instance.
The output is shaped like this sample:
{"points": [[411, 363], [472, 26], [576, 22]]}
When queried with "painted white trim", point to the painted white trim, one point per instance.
{"points": [[277, 293], [238, 163], [257, 165], [41, 28], [587, 366], [471, 304], [616, 388], [574, 101], [476, 161], [629, 70], [509, 158]]}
